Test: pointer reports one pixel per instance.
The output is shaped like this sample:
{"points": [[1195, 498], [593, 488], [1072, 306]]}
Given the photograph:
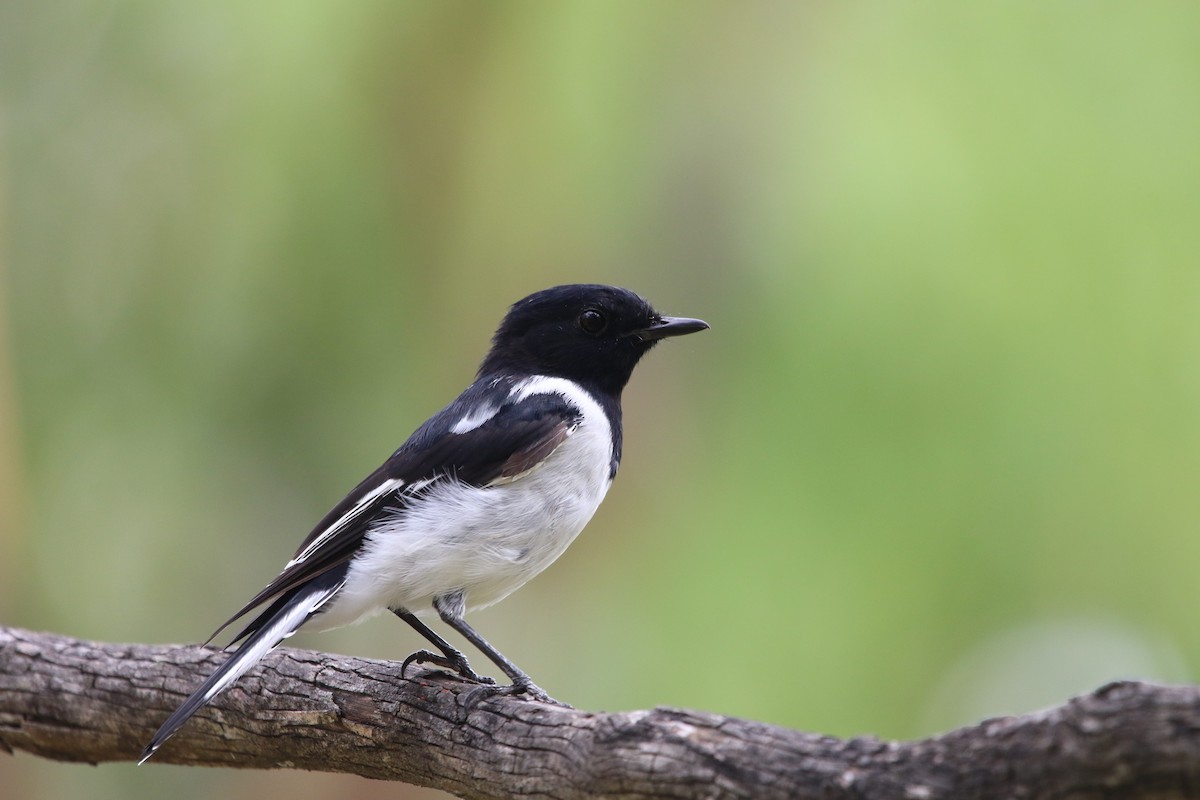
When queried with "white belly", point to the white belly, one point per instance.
{"points": [[496, 539]]}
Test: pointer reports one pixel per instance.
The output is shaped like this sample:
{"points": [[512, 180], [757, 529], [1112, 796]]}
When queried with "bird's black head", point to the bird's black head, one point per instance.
{"points": [[589, 333]]}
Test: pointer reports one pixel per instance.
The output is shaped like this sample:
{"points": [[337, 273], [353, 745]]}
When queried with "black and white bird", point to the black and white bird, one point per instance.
{"points": [[481, 498]]}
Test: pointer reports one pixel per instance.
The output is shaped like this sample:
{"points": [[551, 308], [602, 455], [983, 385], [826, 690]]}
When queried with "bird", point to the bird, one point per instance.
{"points": [[482, 497]]}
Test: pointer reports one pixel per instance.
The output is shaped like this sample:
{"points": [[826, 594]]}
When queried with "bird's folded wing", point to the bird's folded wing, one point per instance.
{"points": [[468, 442]]}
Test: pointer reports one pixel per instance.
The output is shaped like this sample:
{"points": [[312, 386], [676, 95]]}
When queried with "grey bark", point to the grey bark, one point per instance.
{"points": [[72, 700]]}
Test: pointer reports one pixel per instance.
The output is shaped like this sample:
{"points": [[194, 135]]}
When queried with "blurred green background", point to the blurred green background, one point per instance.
{"points": [[937, 458]]}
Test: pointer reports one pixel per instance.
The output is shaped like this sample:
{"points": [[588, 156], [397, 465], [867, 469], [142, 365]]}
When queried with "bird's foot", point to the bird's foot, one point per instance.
{"points": [[521, 686], [457, 662]]}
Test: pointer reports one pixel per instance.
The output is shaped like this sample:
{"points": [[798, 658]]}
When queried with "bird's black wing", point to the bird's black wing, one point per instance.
{"points": [[483, 437]]}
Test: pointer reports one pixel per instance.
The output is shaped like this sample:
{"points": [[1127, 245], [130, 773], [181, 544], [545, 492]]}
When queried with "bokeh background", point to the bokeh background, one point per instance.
{"points": [[937, 458]]}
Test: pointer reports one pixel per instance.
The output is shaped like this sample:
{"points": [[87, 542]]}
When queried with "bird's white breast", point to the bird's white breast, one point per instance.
{"points": [[487, 541]]}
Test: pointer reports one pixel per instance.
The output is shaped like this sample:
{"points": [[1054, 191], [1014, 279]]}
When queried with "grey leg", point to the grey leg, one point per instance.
{"points": [[450, 658], [451, 608]]}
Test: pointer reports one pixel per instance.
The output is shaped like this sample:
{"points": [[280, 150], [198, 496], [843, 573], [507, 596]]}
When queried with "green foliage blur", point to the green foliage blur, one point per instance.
{"points": [[937, 458]]}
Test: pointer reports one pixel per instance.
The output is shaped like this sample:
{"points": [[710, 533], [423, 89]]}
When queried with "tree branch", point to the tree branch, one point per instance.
{"points": [[71, 700]]}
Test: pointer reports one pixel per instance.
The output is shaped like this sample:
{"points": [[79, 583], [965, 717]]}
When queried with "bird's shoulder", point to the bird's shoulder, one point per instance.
{"points": [[494, 427], [498, 428]]}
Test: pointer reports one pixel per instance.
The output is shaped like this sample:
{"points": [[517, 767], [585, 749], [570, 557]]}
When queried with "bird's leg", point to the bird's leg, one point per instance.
{"points": [[451, 609], [450, 658]]}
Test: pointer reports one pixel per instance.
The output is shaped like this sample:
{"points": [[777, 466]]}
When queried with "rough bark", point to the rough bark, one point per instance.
{"points": [[72, 700]]}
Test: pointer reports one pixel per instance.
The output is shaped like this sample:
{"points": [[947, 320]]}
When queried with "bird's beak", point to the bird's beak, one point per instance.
{"points": [[670, 326]]}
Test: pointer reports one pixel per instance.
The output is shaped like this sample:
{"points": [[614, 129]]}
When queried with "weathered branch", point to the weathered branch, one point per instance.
{"points": [[72, 700]]}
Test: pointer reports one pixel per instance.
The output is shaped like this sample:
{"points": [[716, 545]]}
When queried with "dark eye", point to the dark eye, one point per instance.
{"points": [[592, 322]]}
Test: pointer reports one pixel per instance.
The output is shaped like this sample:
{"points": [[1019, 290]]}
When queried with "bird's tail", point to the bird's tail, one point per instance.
{"points": [[278, 622]]}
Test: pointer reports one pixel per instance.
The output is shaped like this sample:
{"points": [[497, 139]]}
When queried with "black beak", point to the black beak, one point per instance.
{"points": [[670, 326]]}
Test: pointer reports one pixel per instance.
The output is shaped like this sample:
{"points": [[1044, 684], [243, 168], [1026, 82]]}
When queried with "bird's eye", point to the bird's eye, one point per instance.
{"points": [[592, 322]]}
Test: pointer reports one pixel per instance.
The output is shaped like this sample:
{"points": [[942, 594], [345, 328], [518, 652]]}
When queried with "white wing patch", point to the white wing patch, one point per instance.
{"points": [[387, 486], [474, 419]]}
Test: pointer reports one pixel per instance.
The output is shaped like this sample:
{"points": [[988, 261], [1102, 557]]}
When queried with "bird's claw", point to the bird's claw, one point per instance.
{"points": [[459, 665]]}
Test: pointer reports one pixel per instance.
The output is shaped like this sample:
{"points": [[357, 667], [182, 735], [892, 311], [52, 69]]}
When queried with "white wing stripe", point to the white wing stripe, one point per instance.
{"points": [[370, 497]]}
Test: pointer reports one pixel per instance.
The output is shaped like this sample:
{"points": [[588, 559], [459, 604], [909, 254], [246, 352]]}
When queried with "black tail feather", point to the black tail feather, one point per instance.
{"points": [[283, 618]]}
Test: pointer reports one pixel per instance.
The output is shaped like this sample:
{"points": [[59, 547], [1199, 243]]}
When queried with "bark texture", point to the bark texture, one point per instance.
{"points": [[72, 700]]}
